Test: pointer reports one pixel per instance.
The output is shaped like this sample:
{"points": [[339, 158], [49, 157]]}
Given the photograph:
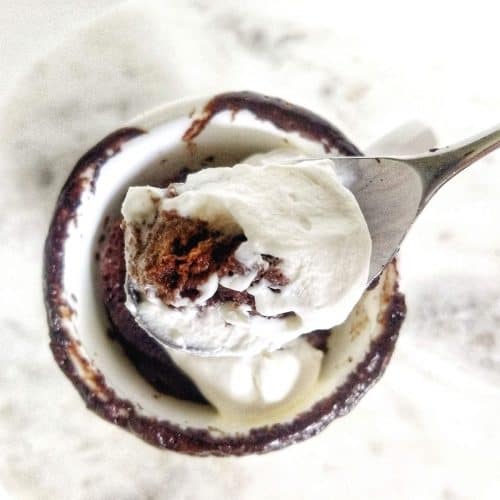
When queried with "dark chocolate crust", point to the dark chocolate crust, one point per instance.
{"points": [[92, 386]]}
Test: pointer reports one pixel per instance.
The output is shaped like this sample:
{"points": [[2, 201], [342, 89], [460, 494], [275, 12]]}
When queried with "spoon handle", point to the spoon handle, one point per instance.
{"points": [[438, 166]]}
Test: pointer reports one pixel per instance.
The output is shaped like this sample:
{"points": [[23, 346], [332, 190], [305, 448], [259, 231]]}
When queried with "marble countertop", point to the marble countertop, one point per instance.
{"points": [[429, 429]]}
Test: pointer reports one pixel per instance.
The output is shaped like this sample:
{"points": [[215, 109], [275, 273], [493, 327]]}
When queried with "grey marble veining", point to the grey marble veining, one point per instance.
{"points": [[429, 428]]}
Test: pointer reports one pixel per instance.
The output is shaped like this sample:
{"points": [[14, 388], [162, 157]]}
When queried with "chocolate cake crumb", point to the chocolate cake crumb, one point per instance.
{"points": [[181, 253]]}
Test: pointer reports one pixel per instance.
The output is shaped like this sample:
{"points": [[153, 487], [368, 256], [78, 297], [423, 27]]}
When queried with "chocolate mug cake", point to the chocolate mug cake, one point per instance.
{"points": [[236, 402]]}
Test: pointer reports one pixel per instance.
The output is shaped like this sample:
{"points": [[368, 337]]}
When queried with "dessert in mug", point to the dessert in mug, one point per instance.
{"points": [[232, 274]]}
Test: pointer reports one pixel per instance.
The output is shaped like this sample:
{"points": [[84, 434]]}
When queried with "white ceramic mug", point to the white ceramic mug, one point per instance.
{"points": [[196, 133]]}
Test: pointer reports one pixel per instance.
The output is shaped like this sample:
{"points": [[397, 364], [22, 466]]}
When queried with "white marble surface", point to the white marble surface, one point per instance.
{"points": [[430, 428]]}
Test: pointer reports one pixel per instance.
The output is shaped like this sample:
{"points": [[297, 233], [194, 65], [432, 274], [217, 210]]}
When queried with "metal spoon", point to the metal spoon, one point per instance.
{"points": [[392, 191]]}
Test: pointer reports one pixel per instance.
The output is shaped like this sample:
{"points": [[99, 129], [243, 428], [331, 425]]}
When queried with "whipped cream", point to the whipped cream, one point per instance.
{"points": [[298, 213], [247, 385]]}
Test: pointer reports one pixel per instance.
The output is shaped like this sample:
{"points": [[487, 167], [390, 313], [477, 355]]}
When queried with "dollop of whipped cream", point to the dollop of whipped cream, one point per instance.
{"points": [[297, 215], [244, 386]]}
